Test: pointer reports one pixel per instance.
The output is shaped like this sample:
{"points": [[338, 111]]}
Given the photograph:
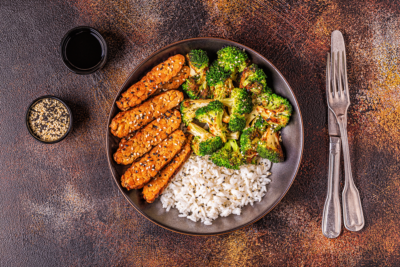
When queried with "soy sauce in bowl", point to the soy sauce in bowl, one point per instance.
{"points": [[83, 50]]}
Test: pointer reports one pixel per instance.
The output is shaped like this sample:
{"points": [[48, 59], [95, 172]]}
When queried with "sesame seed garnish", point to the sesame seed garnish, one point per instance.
{"points": [[48, 119]]}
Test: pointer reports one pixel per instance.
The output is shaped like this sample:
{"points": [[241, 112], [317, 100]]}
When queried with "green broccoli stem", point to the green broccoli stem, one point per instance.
{"points": [[219, 126], [251, 116], [196, 130], [234, 145], [229, 102], [230, 135]]}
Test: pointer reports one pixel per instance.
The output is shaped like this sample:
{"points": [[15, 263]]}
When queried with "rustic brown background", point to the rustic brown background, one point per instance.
{"points": [[58, 203]]}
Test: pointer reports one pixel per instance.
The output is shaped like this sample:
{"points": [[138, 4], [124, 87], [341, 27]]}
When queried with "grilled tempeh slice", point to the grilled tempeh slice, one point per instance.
{"points": [[157, 185], [149, 84], [148, 166], [176, 81], [133, 148], [128, 121]]}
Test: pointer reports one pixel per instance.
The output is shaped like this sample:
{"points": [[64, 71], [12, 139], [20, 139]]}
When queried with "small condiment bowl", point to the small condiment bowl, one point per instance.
{"points": [[63, 50], [28, 113]]}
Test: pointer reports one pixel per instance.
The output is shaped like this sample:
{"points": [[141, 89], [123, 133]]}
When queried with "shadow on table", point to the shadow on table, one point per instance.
{"points": [[116, 45]]}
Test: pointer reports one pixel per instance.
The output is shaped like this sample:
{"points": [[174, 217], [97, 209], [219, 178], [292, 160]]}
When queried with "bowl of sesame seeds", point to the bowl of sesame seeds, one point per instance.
{"points": [[48, 119]]}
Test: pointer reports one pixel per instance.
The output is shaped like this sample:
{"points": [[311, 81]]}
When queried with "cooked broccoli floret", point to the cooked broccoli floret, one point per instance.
{"points": [[229, 156], [198, 61], [212, 115], [253, 79], [232, 59], [195, 88], [191, 88], [219, 81], [240, 101], [237, 122], [274, 109], [204, 143], [260, 124], [248, 144], [269, 146], [189, 107]]}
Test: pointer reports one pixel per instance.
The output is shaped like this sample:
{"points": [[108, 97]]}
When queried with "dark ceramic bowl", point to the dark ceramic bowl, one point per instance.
{"points": [[29, 128], [63, 48], [283, 174]]}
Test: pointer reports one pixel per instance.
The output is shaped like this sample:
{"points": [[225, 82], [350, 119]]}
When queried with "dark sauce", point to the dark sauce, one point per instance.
{"points": [[83, 50]]}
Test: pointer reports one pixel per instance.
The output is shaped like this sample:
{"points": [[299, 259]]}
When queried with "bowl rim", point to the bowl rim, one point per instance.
{"points": [[71, 67], [116, 180], [27, 119]]}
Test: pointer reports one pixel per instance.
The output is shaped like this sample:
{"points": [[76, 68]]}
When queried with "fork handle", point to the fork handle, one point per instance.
{"points": [[332, 216], [352, 209]]}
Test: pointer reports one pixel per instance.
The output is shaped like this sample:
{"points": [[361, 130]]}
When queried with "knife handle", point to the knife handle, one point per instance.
{"points": [[332, 215]]}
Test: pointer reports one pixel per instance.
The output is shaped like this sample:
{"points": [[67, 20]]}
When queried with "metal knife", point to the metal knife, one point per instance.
{"points": [[332, 215]]}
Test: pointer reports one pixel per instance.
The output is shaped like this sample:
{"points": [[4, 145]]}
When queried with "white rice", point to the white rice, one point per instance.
{"points": [[203, 191]]}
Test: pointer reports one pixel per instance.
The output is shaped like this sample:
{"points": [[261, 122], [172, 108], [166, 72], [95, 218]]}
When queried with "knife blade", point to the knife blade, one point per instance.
{"points": [[337, 44], [333, 127]]}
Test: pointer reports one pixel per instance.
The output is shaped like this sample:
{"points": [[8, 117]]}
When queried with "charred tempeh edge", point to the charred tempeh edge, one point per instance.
{"points": [[176, 81], [140, 143], [148, 166], [149, 84], [126, 122], [157, 185]]}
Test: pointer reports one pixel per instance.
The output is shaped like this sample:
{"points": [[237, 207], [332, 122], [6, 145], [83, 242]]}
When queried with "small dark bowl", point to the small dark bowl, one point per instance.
{"points": [[64, 43], [27, 119], [283, 174]]}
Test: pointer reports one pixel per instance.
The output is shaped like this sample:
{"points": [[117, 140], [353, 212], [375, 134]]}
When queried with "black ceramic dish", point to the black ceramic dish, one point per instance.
{"points": [[83, 50], [283, 174], [29, 128]]}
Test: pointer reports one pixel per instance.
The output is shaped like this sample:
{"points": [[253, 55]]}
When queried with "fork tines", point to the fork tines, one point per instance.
{"points": [[337, 75]]}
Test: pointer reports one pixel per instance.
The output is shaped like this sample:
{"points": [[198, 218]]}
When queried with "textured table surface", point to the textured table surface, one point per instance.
{"points": [[58, 203]]}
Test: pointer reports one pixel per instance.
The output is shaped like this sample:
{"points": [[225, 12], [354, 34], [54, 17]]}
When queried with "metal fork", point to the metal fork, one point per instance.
{"points": [[338, 102]]}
